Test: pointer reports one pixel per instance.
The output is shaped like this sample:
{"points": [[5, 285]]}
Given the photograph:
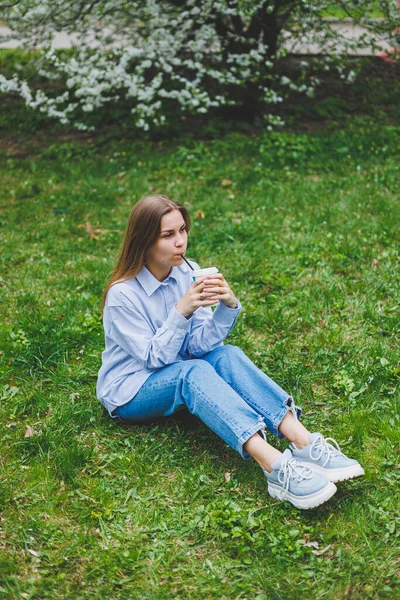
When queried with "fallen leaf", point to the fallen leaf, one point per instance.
{"points": [[199, 214], [311, 544], [320, 552], [122, 174], [226, 182], [89, 230], [227, 477], [347, 593], [29, 432], [33, 552], [94, 232]]}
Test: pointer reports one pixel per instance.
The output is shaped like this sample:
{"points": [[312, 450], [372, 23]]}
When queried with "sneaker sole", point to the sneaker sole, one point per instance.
{"points": [[304, 502], [335, 475]]}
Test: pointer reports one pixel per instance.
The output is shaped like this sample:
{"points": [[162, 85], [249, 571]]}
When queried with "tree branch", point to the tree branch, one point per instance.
{"points": [[270, 24], [236, 20], [5, 5]]}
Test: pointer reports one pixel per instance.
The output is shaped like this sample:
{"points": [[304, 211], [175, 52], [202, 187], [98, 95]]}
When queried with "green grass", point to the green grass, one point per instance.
{"points": [[305, 226], [373, 12]]}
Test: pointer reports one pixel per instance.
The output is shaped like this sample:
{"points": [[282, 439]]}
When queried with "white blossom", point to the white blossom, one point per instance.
{"points": [[204, 54]]}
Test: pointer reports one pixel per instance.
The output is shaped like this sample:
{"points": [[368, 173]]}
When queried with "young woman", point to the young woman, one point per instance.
{"points": [[164, 352]]}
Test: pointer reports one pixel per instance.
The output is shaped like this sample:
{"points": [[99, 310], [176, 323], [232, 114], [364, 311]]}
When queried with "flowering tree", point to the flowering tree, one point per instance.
{"points": [[176, 55]]}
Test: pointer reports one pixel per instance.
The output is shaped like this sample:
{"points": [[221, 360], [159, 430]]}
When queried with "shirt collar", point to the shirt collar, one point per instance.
{"points": [[150, 283]]}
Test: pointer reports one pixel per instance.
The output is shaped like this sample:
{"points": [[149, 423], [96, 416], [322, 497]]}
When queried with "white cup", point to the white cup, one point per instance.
{"points": [[204, 272]]}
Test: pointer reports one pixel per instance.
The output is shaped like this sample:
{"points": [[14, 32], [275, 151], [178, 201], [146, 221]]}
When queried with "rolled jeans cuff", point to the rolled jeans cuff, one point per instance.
{"points": [[259, 426], [289, 406]]}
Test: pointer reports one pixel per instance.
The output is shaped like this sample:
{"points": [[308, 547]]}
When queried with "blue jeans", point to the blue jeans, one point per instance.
{"points": [[224, 389]]}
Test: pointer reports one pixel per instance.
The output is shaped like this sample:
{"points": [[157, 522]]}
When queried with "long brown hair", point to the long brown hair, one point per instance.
{"points": [[141, 235]]}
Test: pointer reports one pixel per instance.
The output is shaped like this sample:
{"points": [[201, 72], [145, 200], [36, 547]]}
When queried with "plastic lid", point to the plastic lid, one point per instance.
{"points": [[204, 272]]}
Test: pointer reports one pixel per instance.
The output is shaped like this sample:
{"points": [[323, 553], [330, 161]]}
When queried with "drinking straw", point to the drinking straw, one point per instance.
{"points": [[187, 262]]}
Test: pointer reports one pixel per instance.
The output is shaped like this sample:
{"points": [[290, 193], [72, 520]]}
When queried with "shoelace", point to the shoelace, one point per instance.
{"points": [[321, 448], [291, 470]]}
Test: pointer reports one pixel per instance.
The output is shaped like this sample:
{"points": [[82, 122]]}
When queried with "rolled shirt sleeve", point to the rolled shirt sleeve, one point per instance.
{"points": [[209, 329]]}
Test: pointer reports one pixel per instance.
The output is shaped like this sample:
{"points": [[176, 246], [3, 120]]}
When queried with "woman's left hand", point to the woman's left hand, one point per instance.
{"points": [[217, 288]]}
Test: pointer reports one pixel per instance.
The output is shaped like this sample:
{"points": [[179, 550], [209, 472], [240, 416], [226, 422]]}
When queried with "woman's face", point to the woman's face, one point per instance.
{"points": [[171, 244]]}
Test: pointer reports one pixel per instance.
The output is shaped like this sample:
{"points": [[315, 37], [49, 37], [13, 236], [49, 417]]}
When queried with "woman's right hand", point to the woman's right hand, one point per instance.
{"points": [[194, 298]]}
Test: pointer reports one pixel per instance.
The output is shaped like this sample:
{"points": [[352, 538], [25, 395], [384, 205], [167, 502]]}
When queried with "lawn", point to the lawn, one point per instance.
{"points": [[305, 227]]}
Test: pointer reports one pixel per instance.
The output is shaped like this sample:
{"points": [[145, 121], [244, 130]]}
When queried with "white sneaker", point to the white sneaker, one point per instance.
{"points": [[297, 484], [327, 459]]}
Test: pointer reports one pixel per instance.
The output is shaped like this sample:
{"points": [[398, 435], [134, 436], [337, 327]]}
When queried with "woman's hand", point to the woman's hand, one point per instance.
{"points": [[206, 292], [217, 288], [193, 299]]}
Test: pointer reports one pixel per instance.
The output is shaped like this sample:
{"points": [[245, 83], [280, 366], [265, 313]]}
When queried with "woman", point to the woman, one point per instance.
{"points": [[164, 352]]}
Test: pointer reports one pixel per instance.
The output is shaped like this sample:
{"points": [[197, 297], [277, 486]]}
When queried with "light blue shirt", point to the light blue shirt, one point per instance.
{"points": [[144, 332]]}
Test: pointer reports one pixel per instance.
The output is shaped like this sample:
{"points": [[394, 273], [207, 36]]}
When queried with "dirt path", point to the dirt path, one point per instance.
{"points": [[63, 40]]}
